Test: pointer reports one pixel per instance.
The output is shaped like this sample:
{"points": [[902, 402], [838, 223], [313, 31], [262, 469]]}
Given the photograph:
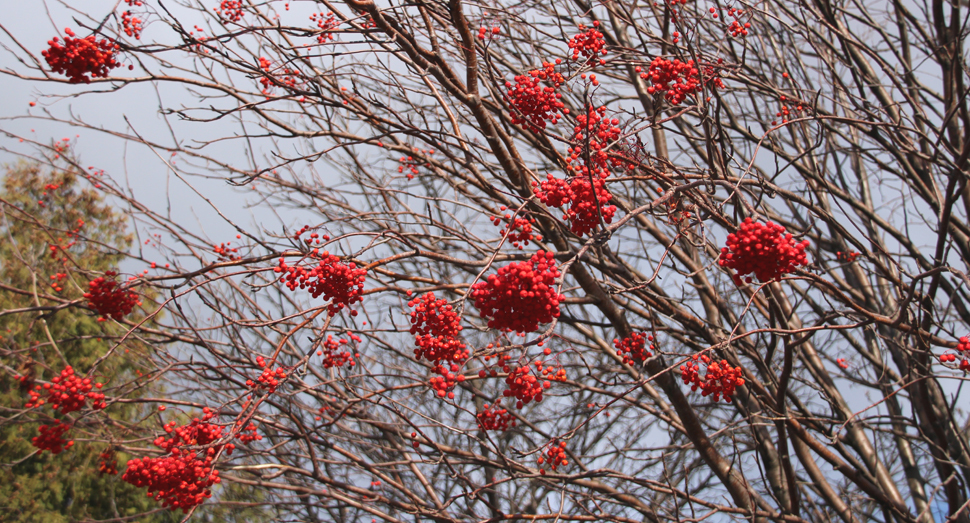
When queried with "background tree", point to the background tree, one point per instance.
{"points": [[613, 261]]}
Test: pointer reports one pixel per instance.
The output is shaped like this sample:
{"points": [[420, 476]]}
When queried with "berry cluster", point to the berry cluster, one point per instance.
{"points": [[107, 464], [521, 295], [517, 229], [448, 377], [484, 32], [737, 28], [340, 283], [847, 257], [762, 249], [411, 165], [531, 102], [720, 378], [494, 417], [589, 43], [333, 356], [178, 481], [586, 201], [67, 393], [785, 112], [197, 433], [56, 283], [435, 327], [268, 380], [80, 57], [51, 438], [554, 456], [108, 299], [842, 363], [230, 10], [285, 76], [225, 252], [523, 386], [248, 434], [963, 347], [633, 349], [131, 25], [677, 80], [326, 23]]}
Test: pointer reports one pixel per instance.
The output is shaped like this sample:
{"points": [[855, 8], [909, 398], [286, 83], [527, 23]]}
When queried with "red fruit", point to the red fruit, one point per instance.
{"points": [[762, 249], [79, 57], [521, 295]]}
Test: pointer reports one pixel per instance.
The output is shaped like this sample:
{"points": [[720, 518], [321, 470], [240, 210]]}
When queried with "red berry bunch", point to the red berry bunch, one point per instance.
{"points": [[80, 57], [553, 192], [273, 76], [230, 10], [593, 135], [517, 229], [763, 249], [589, 43], [51, 438], [269, 379], [248, 434], [197, 433], [720, 378], [586, 201], [842, 363], [435, 327], [107, 464], [225, 252], [633, 349], [494, 417], [333, 356], [963, 347], [523, 386], [108, 299], [521, 295], [531, 102], [448, 377], [786, 110], [847, 257], [737, 28], [484, 32], [554, 456], [57, 279], [326, 23], [131, 25], [67, 393], [340, 283], [179, 481], [677, 80]]}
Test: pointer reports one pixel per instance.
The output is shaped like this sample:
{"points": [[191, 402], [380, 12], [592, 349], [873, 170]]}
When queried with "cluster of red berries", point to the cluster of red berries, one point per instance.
{"points": [[108, 299], [248, 434], [518, 230], [589, 43], [763, 249], [230, 10], [326, 23], [340, 283], [287, 77], [57, 279], [592, 136], [80, 57], [448, 377], [494, 417], [586, 201], [521, 295], [534, 103], [847, 257], [131, 25], [51, 438], [435, 326], [554, 456], [67, 393], [720, 378], [315, 238], [107, 464], [411, 165], [332, 354], [225, 252], [963, 347], [524, 386], [484, 32], [633, 349], [268, 380], [737, 28], [842, 363], [183, 478], [677, 80]]}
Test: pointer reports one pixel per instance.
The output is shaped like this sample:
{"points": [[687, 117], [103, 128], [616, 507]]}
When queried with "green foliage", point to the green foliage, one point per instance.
{"points": [[36, 216]]}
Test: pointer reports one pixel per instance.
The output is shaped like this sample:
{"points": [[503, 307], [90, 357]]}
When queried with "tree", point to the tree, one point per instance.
{"points": [[556, 260]]}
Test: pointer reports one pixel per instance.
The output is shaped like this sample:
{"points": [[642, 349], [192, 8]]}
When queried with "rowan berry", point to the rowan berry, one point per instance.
{"points": [[435, 327], [677, 80], [632, 349], [554, 456], [589, 43], [494, 417], [340, 283], [764, 250], [531, 102], [521, 295], [79, 57], [720, 378], [67, 393], [108, 299], [51, 438]]}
